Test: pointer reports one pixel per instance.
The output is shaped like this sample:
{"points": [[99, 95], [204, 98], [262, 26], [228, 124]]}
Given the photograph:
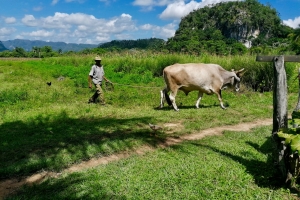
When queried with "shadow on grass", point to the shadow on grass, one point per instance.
{"points": [[75, 186], [183, 107], [54, 142], [264, 173]]}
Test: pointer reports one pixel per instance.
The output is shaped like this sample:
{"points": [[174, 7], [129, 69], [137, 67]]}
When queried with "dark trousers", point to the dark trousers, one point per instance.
{"points": [[98, 93]]}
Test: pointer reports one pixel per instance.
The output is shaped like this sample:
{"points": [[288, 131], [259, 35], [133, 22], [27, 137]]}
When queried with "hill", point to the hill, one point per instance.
{"points": [[27, 45], [2, 47], [223, 27]]}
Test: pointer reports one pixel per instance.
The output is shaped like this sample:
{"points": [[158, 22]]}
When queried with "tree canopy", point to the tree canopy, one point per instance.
{"points": [[151, 43]]}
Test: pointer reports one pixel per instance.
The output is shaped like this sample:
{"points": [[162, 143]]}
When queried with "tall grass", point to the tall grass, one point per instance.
{"points": [[144, 64]]}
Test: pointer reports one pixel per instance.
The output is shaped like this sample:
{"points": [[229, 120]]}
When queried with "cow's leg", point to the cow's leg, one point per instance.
{"points": [[200, 95], [162, 99], [162, 96], [220, 99], [172, 98]]}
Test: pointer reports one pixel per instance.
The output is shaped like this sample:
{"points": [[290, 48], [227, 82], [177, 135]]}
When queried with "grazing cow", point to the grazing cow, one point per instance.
{"points": [[206, 78]]}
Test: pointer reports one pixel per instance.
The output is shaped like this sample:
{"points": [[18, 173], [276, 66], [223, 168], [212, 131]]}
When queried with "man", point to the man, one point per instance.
{"points": [[97, 75]]}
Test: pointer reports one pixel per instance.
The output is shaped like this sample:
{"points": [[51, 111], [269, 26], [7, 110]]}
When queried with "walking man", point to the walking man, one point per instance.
{"points": [[97, 75]]}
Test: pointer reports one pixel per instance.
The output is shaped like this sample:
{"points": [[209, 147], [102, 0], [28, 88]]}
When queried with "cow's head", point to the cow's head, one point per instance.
{"points": [[236, 79]]}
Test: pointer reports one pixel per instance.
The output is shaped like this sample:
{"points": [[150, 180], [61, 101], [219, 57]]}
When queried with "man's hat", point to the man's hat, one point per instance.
{"points": [[97, 58]]}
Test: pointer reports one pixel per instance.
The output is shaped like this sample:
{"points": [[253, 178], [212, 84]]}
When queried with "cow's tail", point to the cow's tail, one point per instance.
{"points": [[167, 98]]}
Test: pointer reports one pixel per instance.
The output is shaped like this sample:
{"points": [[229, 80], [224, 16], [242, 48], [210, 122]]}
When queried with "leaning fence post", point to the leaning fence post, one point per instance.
{"points": [[279, 95], [280, 119]]}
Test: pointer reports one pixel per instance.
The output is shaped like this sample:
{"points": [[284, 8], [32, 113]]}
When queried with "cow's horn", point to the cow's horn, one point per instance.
{"points": [[241, 70]]}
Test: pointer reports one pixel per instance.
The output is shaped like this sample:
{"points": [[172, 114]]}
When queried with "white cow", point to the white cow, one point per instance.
{"points": [[205, 78]]}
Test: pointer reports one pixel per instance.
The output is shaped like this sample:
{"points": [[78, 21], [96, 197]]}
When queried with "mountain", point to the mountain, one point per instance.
{"points": [[152, 43], [28, 44], [215, 28], [2, 47]]}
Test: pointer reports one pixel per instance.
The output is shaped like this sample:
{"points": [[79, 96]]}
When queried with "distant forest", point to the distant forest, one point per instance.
{"points": [[152, 43]]}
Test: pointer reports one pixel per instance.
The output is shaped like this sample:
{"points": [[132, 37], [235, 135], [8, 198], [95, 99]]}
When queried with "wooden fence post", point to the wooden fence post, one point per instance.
{"points": [[280, 113], [279, 95]]}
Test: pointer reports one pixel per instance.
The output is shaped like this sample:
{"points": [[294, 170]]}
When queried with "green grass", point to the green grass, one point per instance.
{"points": [[57, 134], [237, 165], [51, 128]]}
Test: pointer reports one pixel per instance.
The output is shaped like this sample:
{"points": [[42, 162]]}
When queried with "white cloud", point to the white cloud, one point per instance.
{"points": [[104, 38], [163, 32], [29, 20], [6, 31], [179, 9], [37, 35], [152, 3], [146, 27], [175, 5], [60, 20], [40, 33], [80, 27], [10, 20], [294, 23], [54, 2], [148, 5], [126, 16], [115, 25], [143, 3]]}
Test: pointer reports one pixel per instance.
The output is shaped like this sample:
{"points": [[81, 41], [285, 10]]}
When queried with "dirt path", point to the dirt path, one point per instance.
{"points": [[12, 185]]}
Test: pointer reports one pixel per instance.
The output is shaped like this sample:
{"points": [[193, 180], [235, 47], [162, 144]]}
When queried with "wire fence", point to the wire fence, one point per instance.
{"points": [[109, 86], [135, 86]]}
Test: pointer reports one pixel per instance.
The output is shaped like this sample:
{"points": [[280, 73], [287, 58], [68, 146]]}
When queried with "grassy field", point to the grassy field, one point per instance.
{"points": [[236, 165], [52, 127]]}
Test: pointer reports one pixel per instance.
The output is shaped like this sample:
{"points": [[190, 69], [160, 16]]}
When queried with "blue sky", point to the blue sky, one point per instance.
{"points": [[98, 21]]}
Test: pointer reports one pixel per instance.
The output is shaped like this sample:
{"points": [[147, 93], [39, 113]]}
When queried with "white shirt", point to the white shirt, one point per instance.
{"points": [[97, 74]]}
